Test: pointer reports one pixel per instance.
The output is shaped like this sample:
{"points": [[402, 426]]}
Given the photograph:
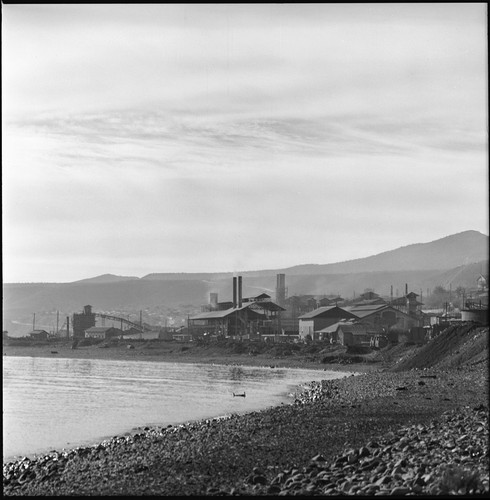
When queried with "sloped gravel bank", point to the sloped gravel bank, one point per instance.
{"points": [[376, 433]]}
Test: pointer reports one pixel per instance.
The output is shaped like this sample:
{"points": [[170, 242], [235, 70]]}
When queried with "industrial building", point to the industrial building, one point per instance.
{"points": [[82, 322], [102, 332], [314, 321], [379, 317], [241, 317], [39, 335]]}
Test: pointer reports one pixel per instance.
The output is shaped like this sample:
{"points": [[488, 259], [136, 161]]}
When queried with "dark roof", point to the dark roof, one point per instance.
{"points": [[252, 306], [326, 312], [267, 305], [366, 310], [37, 332], [402, 301]]}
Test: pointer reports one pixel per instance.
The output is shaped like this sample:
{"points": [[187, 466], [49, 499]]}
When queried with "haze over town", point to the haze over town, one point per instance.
{"points": [[199, 138]]}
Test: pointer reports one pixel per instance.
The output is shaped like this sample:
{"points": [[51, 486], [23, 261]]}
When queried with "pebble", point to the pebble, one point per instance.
{"points": [[223, 456]]}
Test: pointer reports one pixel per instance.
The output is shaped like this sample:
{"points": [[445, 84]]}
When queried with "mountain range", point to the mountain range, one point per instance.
{"points": [[456, 260]]}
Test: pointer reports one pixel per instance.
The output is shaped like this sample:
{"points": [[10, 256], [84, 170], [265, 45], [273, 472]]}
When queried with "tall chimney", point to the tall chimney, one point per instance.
{"points": [[406, 288], [234, 291], [239, 291], [281, 289]]}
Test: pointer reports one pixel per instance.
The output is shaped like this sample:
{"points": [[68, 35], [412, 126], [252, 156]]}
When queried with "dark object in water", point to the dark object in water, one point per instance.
{"points": [[239, 395], [54, 352]]}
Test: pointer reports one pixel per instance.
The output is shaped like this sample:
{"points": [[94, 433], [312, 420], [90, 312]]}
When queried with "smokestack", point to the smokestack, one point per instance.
{"points": [[406, 288], [234, 291], [391, 293], [213, 300], [239, 291], [281, 289], [68, 327]]}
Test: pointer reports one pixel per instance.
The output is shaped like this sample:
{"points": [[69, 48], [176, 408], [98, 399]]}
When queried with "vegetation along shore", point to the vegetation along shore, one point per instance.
{"points": [[415, 421]]}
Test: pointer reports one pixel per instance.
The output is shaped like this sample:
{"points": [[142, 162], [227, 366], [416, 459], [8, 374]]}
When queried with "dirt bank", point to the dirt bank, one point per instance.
{"points": [[236, 353]]}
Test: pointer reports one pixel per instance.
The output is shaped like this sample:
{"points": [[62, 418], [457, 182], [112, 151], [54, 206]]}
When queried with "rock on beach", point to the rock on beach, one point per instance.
{"points": [[353, 436]]}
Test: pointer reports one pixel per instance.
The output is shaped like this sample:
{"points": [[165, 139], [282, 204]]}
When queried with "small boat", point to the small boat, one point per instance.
{"points": [[239, 395], [54, 352]]}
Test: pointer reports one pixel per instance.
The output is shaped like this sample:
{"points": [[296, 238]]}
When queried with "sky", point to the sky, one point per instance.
{"points": [[161, 138]]}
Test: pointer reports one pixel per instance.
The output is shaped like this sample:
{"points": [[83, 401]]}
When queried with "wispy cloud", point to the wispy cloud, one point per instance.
{"points": [[151, 127]]}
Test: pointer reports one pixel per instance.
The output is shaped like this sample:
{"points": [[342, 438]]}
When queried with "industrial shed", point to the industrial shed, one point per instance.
{"points": [[249, 318], [313, 321], [102, 332], [38, 334], [383, 316]]}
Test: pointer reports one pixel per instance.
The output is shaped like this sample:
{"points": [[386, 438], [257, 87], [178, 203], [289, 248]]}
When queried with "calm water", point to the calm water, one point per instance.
{"points": [[63, 403]]}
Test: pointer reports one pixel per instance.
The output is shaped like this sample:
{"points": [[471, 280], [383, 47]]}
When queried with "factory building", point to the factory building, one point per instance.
{"points": [[82, 322], [244, 316]]}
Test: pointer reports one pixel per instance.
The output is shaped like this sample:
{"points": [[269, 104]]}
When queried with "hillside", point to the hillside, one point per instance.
{"points": [[445, 253], [180, 294], [107, 278], [458, 346]]}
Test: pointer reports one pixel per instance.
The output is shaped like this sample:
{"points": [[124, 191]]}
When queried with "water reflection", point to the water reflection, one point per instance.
{"points": [[53, 403]]}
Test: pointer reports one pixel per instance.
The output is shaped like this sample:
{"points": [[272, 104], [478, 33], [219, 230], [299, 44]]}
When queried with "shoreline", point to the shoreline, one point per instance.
{"points": [[180, 354], [287, 397], [249, 454]]}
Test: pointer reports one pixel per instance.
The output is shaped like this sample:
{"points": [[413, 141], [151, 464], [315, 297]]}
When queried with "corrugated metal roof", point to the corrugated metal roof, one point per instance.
{"points": [[364, 311], [322, 310], [316, 312]]}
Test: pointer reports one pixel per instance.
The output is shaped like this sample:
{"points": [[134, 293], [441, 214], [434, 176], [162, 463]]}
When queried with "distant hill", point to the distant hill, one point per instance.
{"points": [[445, 253], [107, 278], [455, 261]]}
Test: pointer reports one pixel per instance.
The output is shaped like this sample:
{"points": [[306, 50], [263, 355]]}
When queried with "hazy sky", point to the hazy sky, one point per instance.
{"points": [[201, 138]]}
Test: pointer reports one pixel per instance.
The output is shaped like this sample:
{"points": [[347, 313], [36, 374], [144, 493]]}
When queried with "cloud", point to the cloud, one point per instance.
{"points": [[276, 134]]}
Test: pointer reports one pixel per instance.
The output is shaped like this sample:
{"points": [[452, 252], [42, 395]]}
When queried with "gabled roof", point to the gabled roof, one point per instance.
{"points": [[37, 332], [324, 311], [254, 307], [367, 310], [266, 305], [402, 301], [263, 295]]}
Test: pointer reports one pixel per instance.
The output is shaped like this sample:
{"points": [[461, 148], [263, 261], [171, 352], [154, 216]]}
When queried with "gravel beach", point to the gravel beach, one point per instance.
{"points": [[379, 433]]}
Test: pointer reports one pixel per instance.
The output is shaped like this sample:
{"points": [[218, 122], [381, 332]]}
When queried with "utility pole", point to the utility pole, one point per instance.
{"points": [[57, 322]]}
